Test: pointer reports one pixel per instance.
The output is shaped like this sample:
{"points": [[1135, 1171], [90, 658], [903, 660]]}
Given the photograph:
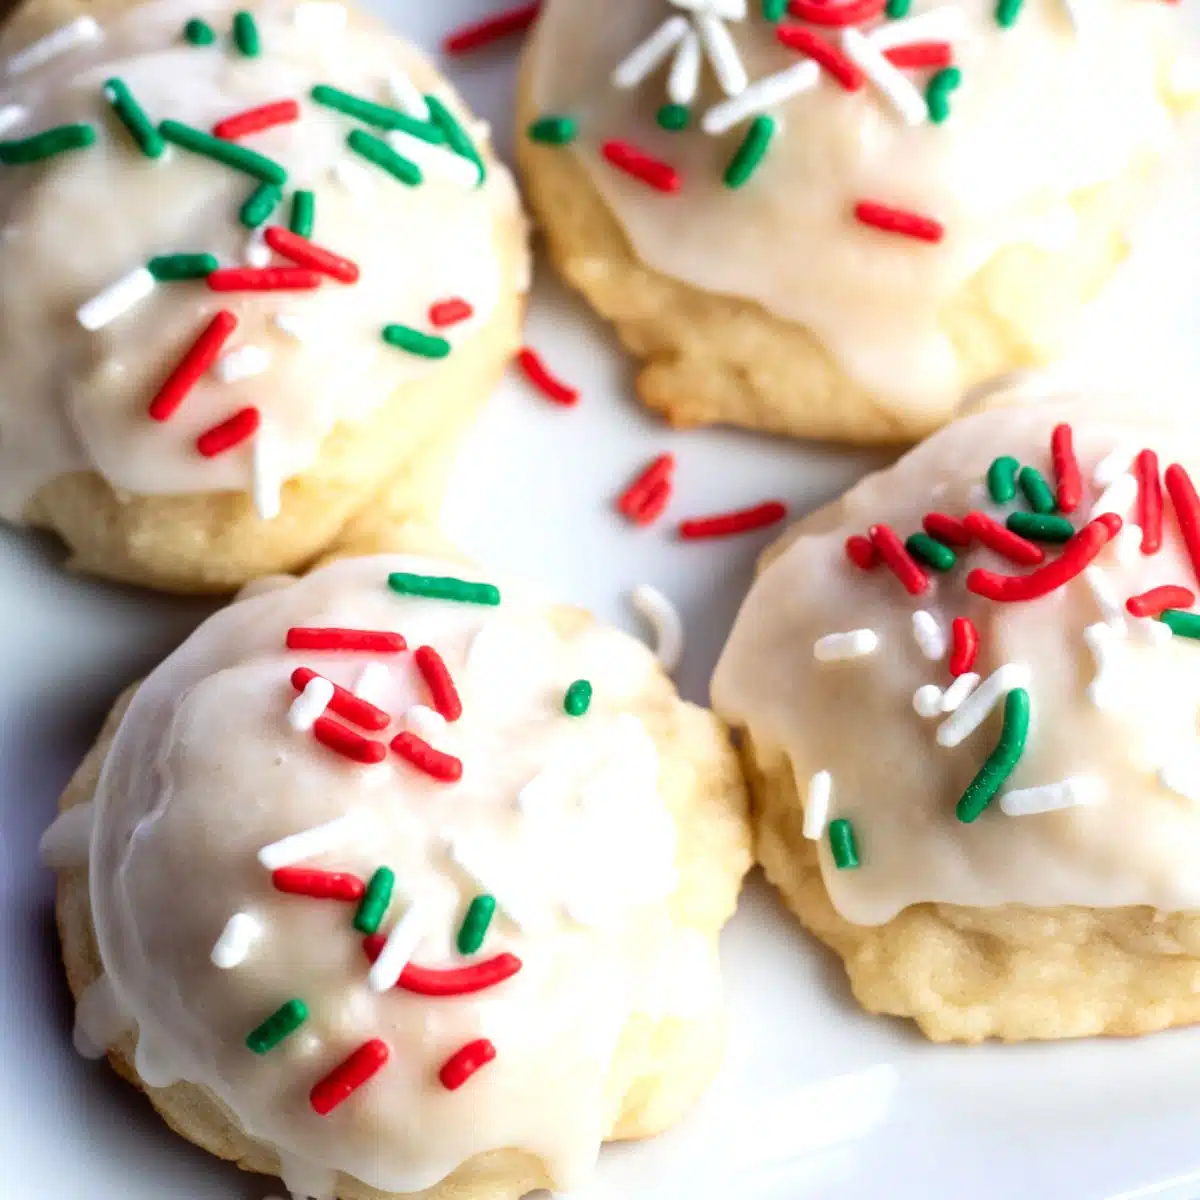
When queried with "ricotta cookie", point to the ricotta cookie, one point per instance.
{"points": [[253, 267], [968, 695], [831, 218]]}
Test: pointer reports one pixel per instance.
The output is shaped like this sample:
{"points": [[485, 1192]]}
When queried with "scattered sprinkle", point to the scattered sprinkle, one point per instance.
{"points": [[929, 635], [930, 551], [455, 981], [683, 81], [246, 362], [309, 842], [975, 708], [344, 741], [750, 153], [255, 120], [762, 94], [816, 808], [743, 520], [373, 641], [839, 67], [1040, 529], [199, 33], [131, 114], [908, 102], [998, 765], [424, 345], [239, 935], [230, 433], [843, 844], [383, 156], [898, 559], [79, 32], [245, 34], [375, 901], [1149, 501], [491, 29], [937, 93], [920, 56], [311, 704], [1036, 491], [862, 553], [48, 144], [554, 130], [417, 752], [578, 698], [1069, 491], [1078, 791], [443, 587], [1182, 624], [266, 474], [674, 118], [305, 254], [647, 55], [1002, 479], [653, 172], [439, 682], [350, 705], [304, 205], [281, 1024], [898, 220], [260, 204], [1003, 541], [171, 268], [116, 300], [461, 1065], [228, 154], [840, 647], [455, 135], [454, 311], [954, 696], [1007, 12], [1159, 599], [475, 924], [378, 115], [199, 357], [348, 1076], [318, 885], [399, 946], [964, 639], [927, 700]]}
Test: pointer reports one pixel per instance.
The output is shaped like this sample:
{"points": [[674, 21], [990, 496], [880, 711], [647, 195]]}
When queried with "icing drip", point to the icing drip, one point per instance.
{"points": [[306, 1180], [100, 1018], [66, 842]]}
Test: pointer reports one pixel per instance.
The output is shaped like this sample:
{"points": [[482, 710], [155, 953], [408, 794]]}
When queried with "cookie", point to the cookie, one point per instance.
{"points": [[430, 921], [253, 269], [967, 694], [834, 225]]}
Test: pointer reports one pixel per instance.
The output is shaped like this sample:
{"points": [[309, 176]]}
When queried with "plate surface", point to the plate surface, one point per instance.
{"points": [[816, 1098]]}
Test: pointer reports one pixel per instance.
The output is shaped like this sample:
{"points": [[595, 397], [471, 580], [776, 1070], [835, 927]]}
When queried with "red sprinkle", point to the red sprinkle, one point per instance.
{"points": [[420, 754], [964, 645], [917, 56], [1151, 603], [373, 641], [458, 981], [539, 375], [490, 29], [1003, 541], [304, 253], [346, 704], [449, 312], [461, 1065], [242, 425], [896, 220], [255, 120], [950, 531], [1187, 510], [646, 497], [1066, 468], [437, 679], [725, 524], [320, 885], [861, 552], [199, 357], [843, 69], [1076, 555], [263, 279], [344, 741], [653, 172], [836, 12], [348, 1076], [1149, 501], [899, 561]]}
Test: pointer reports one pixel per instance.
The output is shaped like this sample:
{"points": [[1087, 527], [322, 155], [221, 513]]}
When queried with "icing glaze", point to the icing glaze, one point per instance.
{"points": [[1114, 698], [67, 841], [73, 399], [1041, 114], [207, 789]]}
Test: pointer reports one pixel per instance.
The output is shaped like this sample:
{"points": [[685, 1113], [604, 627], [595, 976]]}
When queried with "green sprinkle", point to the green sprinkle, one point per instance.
{"points": [[167, 268], [937, 94], [245, 34], [554, 130], [47, 144], [133, 116], [1000, 763], [578, 698], [384, 157], [304, 206], [227, 153], [456, 136], [1037, 491], [773, 10], [843, 844], [427, 345], [1002, 479], [1180, 623], [931, 552], [199, 33], [674, 118], [898, 8], [1007, 12], [1041, 528], [443, 587], [375, 901], [751, 152], [282, 1023], [475, 924], [378, 115], [260, 204]]}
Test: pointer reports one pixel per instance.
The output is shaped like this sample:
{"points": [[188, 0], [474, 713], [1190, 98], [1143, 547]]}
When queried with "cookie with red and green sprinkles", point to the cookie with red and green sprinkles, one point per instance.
{"points": [[831, 218], [296, 271], [968, 694]]}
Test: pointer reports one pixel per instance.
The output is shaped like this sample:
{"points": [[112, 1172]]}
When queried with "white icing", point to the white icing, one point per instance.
{"points": [[664, 619], [67, 840], [101, 1017]]}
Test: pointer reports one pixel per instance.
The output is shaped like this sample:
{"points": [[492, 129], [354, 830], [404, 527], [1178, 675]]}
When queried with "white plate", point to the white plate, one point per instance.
{"points": [[816, 1099]]}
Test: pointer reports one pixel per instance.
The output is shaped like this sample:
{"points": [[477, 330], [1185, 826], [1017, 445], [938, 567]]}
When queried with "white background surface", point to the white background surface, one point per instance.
{"points": [[816, 1099]]}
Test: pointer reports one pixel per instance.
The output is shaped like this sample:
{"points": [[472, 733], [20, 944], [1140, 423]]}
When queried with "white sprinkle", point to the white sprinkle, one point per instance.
{"points": [[76, 33], [927, 700], [294, 325], [11, 115], [266, 478], [929, 635], [1067, 793], [1104, 641], [1114, 464], [816, 809], [1127, 545], [684, 80], [972, 711], [372, 683], [1108, 601], [308, 843], [406, 96], [938, 25], [427, 723], [1182, 776], [436, 159], [230, 949], [894, 85], [310, 704], [959, 690], [722, 54], [100, 1018], [256, 252], [759, 96], [1117, 498], [67, 842], [491, 876], [354, 177], [116, 299], [243, 363], [399, 948], [835, 647], [663, 617], [730, 10], [320, 17], [645, 57]]}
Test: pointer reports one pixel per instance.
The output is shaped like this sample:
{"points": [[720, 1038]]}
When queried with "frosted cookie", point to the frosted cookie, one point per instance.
{"points": [[253, 267], [832, 222], [398, 880], [968, 694]]}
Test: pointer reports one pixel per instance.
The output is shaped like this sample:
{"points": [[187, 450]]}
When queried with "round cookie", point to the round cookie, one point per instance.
{"points": [[188, 427], [982, 792], [718, 195], [553, 914]]}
